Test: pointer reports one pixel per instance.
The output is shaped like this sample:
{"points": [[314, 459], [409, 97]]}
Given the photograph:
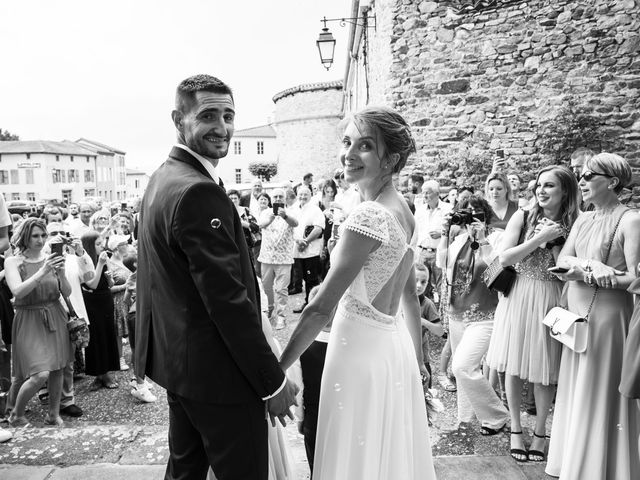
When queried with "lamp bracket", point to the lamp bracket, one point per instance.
{"points": [[368, 21]]}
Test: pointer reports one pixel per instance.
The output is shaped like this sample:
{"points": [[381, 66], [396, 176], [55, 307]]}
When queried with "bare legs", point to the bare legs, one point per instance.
{"points": [[29, 388], [543, 396]]}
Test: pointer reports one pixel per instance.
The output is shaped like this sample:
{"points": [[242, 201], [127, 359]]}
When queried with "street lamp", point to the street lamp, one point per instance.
{"points": [[326, 46]]}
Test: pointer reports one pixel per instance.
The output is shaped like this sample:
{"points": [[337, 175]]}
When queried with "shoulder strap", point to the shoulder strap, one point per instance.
{"points": [[523, 230], [606, 259], [72, 312]]}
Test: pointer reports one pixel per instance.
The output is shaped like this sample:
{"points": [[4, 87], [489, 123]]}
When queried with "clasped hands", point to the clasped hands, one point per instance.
{"points": [[279, 405], [601, 275]]}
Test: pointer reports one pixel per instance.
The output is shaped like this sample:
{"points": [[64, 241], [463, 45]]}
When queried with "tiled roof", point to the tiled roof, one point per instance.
{"points": [[131, 171], [45, 146], [99, 147], [309, 87], [261, 131]]}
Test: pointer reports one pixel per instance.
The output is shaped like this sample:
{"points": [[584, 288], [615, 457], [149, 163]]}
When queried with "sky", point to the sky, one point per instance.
{"points": [[107, 70]]}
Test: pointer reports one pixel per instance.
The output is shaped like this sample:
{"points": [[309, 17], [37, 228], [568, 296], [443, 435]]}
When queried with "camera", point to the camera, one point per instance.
{"points": [[276, 206], [466, 216]]}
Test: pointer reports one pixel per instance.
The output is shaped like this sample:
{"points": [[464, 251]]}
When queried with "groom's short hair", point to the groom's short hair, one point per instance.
{"points": [[186, 91]]}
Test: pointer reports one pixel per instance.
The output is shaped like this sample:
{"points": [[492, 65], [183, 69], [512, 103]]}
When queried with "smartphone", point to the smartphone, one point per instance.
{"points": [[123, 206], [557, 269], [56, 248], [276, 206], [480, 216]]}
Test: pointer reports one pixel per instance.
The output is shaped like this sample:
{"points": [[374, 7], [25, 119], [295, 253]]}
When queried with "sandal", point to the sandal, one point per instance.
{"points": [[446, 383], [18, 422], [488, 431], [523, 454], [537, 455]]}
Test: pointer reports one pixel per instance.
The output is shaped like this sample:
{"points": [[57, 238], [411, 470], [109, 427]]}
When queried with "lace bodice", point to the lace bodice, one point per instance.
{"points": [[535, 265], [373, 220]]}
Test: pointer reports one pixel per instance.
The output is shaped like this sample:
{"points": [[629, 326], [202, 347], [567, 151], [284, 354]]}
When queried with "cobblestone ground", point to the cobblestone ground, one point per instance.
{"points": [[117, 429]]}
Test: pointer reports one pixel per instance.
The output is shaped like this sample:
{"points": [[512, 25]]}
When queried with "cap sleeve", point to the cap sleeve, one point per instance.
{"points": [[369, 220]]}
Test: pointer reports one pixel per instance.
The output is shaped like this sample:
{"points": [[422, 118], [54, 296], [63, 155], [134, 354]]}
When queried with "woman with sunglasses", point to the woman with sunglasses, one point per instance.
{"points": [[520, 345], [595, 429], [470, 306]]}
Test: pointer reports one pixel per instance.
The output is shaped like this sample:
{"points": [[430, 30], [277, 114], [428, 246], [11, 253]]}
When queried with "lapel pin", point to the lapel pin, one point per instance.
{"points": [[215, 223]]}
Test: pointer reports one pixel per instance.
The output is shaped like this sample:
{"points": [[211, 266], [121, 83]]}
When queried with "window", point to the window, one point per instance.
{"points": [[89, 192], [123, 178], [57, 158], [260, 147], [238, 175], [4, 177], [31, 196], [72, 158], [15, 176], [28, 173], [89, 176], [237, 148], [73, 175], [57, 176], [87, 159], [15, 196], [136, 184]]}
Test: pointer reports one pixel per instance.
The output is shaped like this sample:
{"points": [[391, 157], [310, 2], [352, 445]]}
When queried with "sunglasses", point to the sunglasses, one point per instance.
{"points": [[53, 234], [588, 175]]}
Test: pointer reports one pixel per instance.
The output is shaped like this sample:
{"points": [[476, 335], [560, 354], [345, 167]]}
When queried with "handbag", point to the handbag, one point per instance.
{"points": [[77, 326], [499, 278], [569, 328]]}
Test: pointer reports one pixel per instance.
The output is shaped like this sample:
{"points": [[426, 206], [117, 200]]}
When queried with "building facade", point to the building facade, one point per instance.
{"points": [[257, 144], [306, 121], [137, 182], [111, 174], [45, 170]]}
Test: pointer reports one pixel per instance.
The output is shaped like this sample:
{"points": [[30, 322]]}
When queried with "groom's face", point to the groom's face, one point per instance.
{"points": [[206, 126]]}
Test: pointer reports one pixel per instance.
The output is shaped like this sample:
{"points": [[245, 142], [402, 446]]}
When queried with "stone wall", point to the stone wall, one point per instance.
{"points": [[306, 120], [485, 81]]}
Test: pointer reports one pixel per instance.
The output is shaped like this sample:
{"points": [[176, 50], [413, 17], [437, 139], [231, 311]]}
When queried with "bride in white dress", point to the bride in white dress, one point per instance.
{"points": [[373, 421]]}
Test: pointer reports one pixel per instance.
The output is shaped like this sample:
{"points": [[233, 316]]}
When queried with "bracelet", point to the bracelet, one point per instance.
{"points": [[590, 278]]}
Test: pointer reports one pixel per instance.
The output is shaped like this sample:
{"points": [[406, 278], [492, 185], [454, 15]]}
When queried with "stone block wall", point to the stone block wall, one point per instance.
{"points": [[490, 80], [306, 122]]}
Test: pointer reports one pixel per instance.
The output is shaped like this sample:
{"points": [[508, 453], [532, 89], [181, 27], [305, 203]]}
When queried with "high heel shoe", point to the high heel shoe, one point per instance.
{"points": [[537, 455], [523, 454]]}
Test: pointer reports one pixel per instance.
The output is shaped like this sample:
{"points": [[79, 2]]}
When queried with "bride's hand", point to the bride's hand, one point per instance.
{"points": [[424, 374]]}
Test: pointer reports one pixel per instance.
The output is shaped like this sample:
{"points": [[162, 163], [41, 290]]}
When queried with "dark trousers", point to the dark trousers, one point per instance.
{"points": [[312, 366], [310, 273], [296, 276], [232, 439]]}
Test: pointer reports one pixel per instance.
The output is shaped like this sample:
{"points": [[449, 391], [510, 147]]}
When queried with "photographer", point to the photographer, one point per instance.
{"points": [[469, 306], [276, 255]]}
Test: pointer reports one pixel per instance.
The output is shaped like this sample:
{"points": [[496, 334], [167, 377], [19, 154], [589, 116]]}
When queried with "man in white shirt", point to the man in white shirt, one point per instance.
{"points": [[308, 241], [80, 225], [276, 255], [429, 219], [250, 200]]}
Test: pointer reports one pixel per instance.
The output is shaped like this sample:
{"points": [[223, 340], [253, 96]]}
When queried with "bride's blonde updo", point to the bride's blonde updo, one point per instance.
{"points": [[393, 129]]}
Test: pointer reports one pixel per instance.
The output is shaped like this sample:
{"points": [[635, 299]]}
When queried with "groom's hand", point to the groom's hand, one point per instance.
{"points": [[278, 406]]}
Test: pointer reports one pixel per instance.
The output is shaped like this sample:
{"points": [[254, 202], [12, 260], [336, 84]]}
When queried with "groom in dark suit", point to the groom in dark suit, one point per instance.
{"points": [[198, 327]]}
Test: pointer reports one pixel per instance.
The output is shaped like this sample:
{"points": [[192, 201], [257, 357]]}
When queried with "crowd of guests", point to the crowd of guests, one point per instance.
{"points": [[567, 216], [93, 269]]}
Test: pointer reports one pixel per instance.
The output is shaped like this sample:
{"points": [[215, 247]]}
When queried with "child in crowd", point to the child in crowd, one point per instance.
{"points": [[429, 316], [140, 387]]}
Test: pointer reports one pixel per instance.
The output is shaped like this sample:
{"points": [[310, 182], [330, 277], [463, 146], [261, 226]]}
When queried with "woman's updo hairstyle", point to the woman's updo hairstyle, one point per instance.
{"points": [[612, 165], [391, 126]]}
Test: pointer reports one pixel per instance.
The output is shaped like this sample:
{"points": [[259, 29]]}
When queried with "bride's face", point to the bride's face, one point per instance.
{"points": [[361, 154]]}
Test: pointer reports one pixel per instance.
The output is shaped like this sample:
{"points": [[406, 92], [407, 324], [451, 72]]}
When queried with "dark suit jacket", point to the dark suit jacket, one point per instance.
{"points": [[198, 327]]}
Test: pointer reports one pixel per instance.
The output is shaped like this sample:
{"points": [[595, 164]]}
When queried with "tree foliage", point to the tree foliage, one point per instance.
{"points": [[263, 170], [575, 126], [6, 135]]}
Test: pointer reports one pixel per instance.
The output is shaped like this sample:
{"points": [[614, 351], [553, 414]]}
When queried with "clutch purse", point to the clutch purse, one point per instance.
{"points": [[499, 278], [568, 328], [78, 331]]}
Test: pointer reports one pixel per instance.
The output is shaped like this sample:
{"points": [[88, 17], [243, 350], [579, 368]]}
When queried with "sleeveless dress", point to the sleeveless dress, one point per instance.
{"points": [[521, 345], [372, 421], [630, 383], [40, 336], [101, 356], [595, 429]]}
